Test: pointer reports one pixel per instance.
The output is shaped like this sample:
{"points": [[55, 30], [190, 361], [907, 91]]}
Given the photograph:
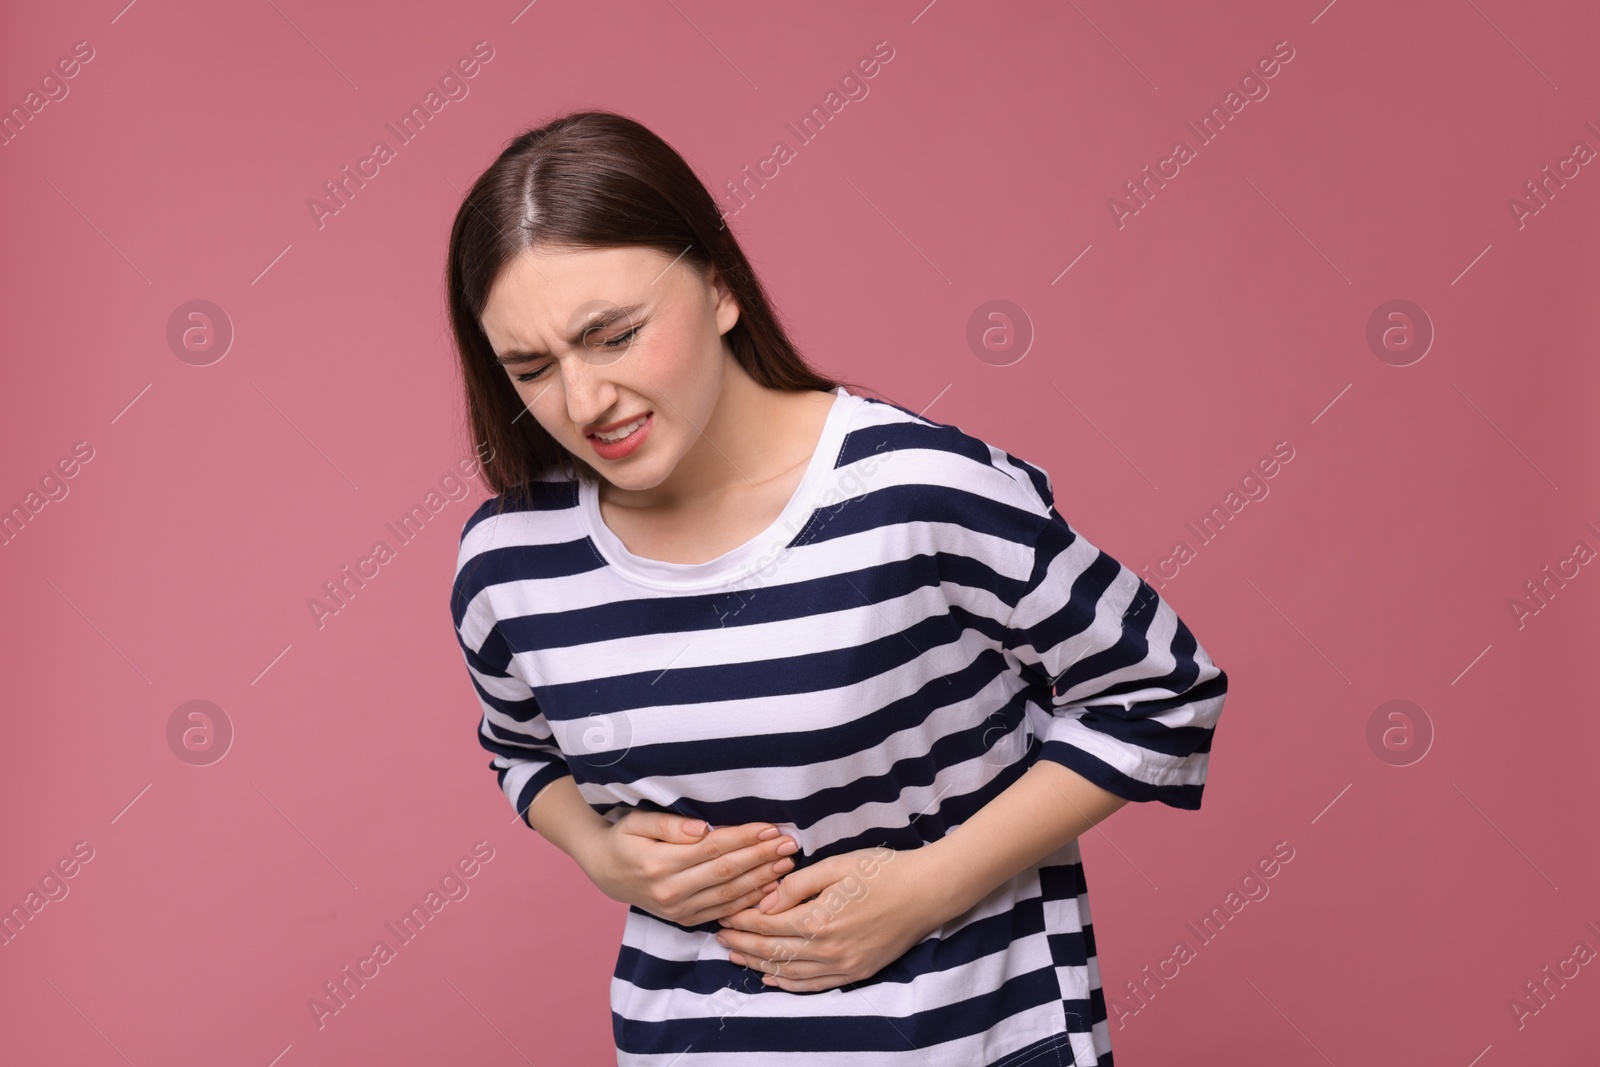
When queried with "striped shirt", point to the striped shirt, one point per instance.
{"points": [[915, 629]]}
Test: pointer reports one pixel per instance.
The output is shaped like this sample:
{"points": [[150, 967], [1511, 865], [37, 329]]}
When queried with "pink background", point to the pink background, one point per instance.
{"points": [[1230, 313]]}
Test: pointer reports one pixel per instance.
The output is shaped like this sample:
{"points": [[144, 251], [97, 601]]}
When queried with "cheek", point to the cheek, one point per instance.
{"points": [[680, 359], [539, 400], [688, 366]]}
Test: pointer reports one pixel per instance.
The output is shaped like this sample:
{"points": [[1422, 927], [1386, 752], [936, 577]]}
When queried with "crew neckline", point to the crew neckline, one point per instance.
{"points": [[736, 562]]}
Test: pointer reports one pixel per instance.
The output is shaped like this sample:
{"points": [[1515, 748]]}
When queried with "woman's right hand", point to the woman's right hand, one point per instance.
{"points": [[650, 859]]}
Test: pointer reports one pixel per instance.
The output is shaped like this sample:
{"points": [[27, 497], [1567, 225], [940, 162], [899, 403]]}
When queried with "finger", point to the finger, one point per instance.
{"points": [[797, 887], [711, 888], [767, 876], [756, 884], [811, 985], [789, 947], [796, 969], [750, 867], [664, 826], [727, 840], [709, 906]]}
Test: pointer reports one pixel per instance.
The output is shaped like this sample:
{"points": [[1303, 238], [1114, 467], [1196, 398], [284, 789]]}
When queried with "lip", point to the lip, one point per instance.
{"points": [[628, 445], [591, 431]]}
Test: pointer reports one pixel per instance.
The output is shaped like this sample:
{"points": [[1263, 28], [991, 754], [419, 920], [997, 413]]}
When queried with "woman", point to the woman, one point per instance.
{"points": [[824, 690]]}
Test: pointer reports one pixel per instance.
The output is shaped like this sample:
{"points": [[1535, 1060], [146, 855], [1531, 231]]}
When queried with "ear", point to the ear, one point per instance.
{"points": [[726, 307]]}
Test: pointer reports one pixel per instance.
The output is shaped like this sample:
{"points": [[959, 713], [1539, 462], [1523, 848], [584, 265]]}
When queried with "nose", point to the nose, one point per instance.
{"points": [[590, 393]]}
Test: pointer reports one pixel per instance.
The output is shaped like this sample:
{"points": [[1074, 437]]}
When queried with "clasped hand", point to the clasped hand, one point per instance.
{"points": [[837, 921], [679, 870]]}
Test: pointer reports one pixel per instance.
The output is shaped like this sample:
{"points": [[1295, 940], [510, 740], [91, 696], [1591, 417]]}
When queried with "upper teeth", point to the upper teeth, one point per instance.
{"points": [[621, 432]]}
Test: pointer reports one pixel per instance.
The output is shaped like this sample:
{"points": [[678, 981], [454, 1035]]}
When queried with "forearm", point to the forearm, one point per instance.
{"points": [[561, 815], [1044, 810]]}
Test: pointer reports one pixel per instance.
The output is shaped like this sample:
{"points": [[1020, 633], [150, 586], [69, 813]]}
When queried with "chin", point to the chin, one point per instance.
{"points": [[635, 480], [636, 476]]}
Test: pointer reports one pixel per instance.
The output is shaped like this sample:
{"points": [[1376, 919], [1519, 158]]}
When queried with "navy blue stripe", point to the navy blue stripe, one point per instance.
{"points": [[921, 434], [742, 1032], [551, 627], [531, 787], [513, 563]]}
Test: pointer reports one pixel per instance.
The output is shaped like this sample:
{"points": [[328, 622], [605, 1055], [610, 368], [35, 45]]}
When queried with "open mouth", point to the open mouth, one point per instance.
{"points": [[622, 433], [615, 444]]}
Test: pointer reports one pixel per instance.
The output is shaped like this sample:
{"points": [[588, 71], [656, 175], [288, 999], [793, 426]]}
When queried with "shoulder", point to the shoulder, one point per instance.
{"points": [[526, 515], [944, 464], [510, 537]]}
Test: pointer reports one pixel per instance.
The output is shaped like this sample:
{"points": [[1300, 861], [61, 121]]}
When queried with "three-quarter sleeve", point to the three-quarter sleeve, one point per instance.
{"points": [[1133, 696], [512, 728]]}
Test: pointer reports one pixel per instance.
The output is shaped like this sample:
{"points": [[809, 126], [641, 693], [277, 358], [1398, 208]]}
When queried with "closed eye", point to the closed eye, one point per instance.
{"points": [[616, 342], [620, 340]]}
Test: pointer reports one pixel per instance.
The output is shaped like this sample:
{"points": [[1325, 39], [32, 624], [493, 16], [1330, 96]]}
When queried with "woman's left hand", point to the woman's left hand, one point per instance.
{"points": [[870, 906]]}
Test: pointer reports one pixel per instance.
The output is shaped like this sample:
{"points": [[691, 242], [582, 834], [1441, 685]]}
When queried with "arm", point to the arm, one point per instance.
{"points": [[666, 864], [663, 863], [1133, 700], [1039, 813], [788, 938], [561, 816]]}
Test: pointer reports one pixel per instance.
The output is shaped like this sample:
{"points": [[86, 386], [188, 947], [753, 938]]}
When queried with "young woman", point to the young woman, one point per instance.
{"points": [[824, 690]]}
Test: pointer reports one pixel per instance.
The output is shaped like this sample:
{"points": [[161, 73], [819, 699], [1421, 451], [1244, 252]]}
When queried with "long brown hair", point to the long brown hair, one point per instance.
{"points": [[591, 179]]}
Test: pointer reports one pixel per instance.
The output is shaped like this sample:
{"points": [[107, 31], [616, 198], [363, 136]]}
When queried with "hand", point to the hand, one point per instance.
{"points": [[870, 906], [672, 868]]}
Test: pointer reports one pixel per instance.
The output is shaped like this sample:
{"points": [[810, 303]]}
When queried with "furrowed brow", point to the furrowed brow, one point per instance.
{"points": [[599, 321]]}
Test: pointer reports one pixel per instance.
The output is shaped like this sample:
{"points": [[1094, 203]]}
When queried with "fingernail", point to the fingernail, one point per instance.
{"points": [[722, 941], [783, 865], [695, 828], [767, 901], [769, 833], [791, 845]]}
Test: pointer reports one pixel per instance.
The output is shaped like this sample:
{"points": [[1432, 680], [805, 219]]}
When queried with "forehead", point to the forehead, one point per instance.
{"points": [[542, 295]]}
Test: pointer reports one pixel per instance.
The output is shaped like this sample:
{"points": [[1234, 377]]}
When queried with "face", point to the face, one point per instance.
{"points": [[594, 338]]}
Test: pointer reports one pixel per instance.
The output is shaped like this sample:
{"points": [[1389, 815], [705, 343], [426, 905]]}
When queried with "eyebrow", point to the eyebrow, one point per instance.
{"points": [[596, 322]]}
